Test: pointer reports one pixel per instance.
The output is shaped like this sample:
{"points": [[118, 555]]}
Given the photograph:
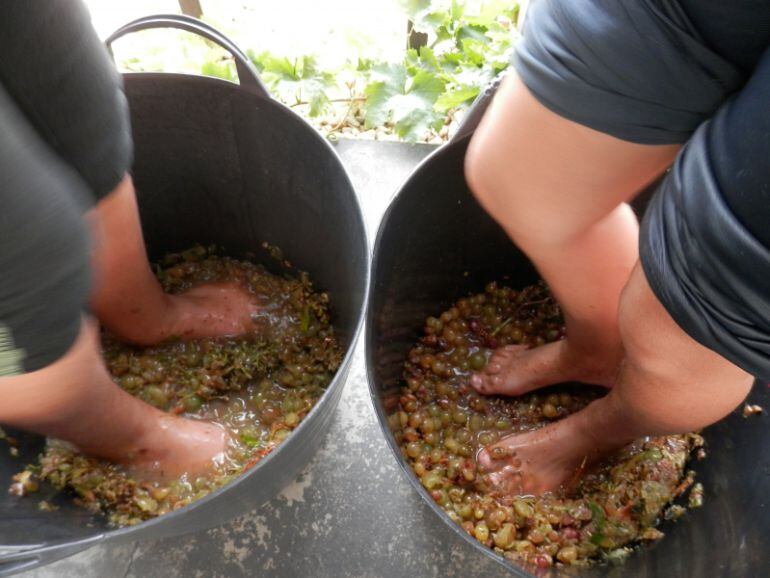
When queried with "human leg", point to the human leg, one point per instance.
{"points": [[559, 189], [607, 91], [64, 83], [52, 378], [694, 318]]}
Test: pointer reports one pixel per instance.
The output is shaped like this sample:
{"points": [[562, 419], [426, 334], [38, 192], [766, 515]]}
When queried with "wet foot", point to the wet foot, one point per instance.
{"points": [[177, 446], [212, 310], [516, 369], [536, 462]]}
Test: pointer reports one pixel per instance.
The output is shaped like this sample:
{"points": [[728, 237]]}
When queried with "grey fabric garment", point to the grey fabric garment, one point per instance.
{"points": [[705, 260], [64, 143], [44, 248], [738, 30], [60, 75], [739, 152], [635, 69]]}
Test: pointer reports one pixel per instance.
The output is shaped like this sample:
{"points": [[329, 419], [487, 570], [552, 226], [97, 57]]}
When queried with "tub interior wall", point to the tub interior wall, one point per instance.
{"points": [[214, 165], [438, 245]]}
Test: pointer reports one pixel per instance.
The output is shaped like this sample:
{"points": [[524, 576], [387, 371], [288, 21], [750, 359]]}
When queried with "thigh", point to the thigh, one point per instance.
{"points": [[44, 248], [56, 69], [605, 93], [533, 168]]}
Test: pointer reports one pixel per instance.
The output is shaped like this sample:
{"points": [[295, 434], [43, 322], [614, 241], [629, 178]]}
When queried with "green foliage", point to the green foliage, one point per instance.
{"points": [[456, 97], [296, 81], [404, 96], [469, 43], [466, 51], [221, 69]]}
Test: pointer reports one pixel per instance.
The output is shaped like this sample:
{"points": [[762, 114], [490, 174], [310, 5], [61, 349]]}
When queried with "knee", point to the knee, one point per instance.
{"points": [[493, 188], [519, 201], [480, 173]]}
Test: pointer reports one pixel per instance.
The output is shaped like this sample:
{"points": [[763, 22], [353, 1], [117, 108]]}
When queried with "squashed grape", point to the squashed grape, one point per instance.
{"points": [[441, 423], [258, 386]]}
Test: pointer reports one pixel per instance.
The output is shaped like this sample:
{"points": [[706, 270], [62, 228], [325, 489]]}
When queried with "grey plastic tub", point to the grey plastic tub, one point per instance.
{"points": [[217, 162], [436, 244]]}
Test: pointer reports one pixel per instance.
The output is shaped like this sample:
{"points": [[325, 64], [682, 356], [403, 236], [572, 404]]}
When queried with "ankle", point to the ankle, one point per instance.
{"points": [[146, 324], [592, 362], [604, 426], [153, 440]]}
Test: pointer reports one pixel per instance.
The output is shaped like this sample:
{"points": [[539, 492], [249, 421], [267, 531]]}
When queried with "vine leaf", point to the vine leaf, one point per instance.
{"points": [[407, 101], [296, 81], [218, 69], [457, 97], [385, 82]]}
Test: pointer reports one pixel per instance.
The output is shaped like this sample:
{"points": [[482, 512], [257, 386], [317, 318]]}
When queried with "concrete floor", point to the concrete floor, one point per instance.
{"points": [[351, 512]]}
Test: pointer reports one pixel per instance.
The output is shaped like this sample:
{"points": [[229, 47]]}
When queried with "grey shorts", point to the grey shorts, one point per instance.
{"points": [[645, 72], [634, 69], [64, 143]]}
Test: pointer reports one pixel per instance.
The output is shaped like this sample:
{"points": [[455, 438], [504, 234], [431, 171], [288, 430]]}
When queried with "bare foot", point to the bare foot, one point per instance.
{"points": [[175, 446], [212, 310], [129, 301], [536, 462], [516, 369]]}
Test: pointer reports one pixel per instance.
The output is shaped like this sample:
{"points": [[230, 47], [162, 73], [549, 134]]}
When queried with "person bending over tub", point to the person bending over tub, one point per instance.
{"points": [[674, 320], [71, 252]]}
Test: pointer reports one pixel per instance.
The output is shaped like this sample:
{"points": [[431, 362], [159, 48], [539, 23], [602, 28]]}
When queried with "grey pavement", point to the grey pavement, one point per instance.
{"points": [[351, 513]]}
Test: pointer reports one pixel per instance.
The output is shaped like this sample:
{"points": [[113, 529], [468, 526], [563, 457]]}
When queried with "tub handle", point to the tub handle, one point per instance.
{"points": [[248, 77]]}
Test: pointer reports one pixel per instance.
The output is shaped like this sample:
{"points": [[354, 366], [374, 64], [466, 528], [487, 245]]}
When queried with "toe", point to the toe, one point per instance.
{"points": [[496, 456], [484, 461], [478, 382], [493, 368], [504, 354], [508, 480], [487, 384]]}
